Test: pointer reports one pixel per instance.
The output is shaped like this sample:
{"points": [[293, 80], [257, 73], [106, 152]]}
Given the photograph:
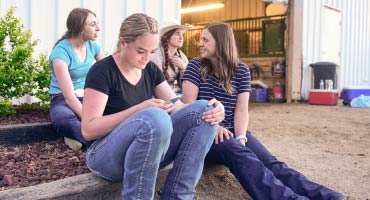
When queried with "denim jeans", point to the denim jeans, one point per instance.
{"points": [[64, 120], [262, 175], [148, 141]]}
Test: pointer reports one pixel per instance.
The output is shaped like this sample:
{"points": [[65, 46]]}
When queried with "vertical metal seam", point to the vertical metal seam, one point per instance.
{"points": [[29, 11], [56, 28], [103, 21], [319, 44]]}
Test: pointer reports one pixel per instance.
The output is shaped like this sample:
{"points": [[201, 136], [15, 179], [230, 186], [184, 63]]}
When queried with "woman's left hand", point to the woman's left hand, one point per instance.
{"points": [[216, 115], [221, 134]]}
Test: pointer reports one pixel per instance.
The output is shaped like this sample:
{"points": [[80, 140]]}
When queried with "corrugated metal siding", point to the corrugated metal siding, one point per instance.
{"points": [[354, 69], [47, 18]]}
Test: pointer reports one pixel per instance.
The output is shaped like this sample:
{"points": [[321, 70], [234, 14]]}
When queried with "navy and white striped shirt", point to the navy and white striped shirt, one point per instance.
{"points": [[211, 89]]}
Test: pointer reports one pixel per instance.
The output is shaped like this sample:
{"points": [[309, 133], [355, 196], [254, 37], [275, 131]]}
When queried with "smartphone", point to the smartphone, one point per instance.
{"points": [[173, 99]]}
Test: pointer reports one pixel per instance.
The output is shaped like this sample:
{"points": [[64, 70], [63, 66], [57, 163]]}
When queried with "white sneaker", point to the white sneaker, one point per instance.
{"points": [[72, 144]]}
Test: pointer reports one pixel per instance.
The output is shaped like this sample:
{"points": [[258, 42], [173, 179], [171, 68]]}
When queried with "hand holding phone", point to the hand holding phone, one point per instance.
{"points": [[173, 99]]}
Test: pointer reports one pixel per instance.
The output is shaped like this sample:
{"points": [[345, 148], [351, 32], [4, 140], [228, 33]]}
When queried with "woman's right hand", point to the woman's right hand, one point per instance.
{"points": [[222, 133], [159, 103], [177, 61], [216, 115]]}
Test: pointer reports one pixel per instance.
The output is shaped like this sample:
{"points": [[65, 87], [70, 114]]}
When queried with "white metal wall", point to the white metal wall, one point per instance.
{"points": [[47, 18], [354, 69]]}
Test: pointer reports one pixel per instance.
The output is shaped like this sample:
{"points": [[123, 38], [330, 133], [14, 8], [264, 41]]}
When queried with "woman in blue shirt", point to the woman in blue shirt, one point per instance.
{"points": [[219, 74], [70, 60]]}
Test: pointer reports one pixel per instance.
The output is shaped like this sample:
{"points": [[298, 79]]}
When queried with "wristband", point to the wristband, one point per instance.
{"points": [[242, 137]]}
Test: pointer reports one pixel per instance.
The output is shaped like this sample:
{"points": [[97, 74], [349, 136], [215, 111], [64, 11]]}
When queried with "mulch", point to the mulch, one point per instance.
{"points": [[31, 164], [25, 116]]}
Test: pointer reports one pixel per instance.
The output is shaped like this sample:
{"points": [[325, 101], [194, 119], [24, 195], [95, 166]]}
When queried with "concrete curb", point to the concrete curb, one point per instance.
{"points": [[85, 186], [27, 133]]}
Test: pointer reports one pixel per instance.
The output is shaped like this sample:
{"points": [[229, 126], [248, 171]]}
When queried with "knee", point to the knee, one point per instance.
{"points": [[200, 106], [158, 117], [159, 121], [197, 109]]}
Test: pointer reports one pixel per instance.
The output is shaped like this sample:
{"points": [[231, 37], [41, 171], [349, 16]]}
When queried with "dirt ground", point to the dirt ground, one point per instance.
{"points": [[329, 144]]}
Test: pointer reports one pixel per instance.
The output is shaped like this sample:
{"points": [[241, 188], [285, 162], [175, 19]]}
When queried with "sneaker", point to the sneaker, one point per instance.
{"points": [[72, 144]]}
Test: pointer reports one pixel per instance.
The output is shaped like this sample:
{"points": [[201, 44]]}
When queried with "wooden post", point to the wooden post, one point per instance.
{"points": [[294, 68]]}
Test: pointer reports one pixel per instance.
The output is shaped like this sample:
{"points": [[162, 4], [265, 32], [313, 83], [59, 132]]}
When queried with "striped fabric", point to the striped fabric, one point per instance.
{"points": [[210, 89]]}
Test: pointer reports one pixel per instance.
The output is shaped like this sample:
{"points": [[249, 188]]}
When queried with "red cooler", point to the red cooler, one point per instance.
{"points": [[323, 97]]}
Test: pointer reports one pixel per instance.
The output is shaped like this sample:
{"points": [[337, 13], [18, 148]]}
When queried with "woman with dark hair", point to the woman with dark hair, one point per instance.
{"points": [[220, 75], [70, 60], [169, 57]]}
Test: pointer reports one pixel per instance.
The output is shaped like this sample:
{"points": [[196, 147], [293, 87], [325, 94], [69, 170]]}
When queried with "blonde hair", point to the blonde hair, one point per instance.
{"points": [[226, 53], [136, 25]]}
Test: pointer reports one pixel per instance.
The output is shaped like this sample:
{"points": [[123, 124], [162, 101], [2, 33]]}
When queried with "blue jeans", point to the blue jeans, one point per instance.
{"points": [[148, 141], [64, 120], [262, 175]]}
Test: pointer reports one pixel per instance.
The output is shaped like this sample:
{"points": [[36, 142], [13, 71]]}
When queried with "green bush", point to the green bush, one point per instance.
{"points": [[20, 73], [6, 108], [41, 81]]}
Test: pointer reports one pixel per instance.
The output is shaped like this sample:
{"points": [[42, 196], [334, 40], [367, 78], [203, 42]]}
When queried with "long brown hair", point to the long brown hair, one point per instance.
{"points": [[75, 23], [226, 53], [164, 42], [136, 25]]}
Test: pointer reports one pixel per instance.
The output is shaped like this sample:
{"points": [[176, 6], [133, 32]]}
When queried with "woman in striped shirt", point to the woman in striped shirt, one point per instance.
{"points": [[219, 74]]}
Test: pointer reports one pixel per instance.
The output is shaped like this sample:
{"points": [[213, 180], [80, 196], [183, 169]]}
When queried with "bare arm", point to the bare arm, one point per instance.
{"points": [[163, 91], [241, 115], [66, 85], [189, 91], [95, 125]]}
